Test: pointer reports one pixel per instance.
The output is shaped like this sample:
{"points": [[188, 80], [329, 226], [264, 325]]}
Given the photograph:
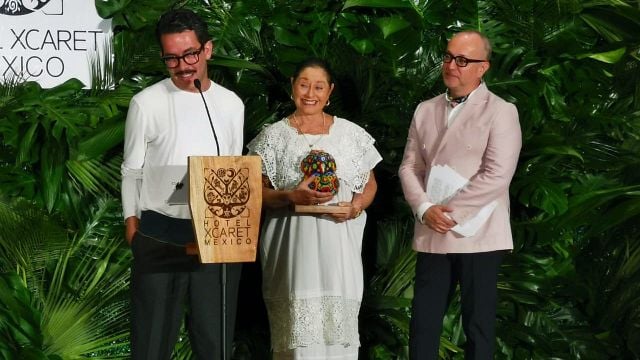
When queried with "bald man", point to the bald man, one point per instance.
{"points": [[477, 134]]}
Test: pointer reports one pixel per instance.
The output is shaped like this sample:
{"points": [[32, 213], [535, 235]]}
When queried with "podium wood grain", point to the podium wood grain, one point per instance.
{"points": [[225, 198]]}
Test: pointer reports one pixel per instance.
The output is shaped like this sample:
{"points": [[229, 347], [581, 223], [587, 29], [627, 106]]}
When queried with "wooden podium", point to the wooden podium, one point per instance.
{"points": [[225, 198]]}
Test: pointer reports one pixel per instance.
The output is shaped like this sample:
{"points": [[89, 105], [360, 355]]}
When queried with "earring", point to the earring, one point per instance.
{"points": [[291, 97], [328, 103]]}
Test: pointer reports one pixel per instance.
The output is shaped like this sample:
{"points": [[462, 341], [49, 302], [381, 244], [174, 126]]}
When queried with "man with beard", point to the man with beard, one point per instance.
{"points": [[166, 123]]}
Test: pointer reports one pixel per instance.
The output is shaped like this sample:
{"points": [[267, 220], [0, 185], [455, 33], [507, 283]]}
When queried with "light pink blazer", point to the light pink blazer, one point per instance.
{"points": [[482, 144]]}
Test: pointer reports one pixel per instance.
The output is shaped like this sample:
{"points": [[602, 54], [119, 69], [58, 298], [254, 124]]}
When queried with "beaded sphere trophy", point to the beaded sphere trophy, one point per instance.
{"points": [[323, 166]]}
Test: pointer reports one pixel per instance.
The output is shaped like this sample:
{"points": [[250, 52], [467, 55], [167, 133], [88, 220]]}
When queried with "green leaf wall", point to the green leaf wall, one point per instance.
{"points": [[570, 289]]}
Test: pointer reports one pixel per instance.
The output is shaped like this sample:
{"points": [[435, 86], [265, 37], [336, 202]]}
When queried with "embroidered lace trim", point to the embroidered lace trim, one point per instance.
{"points": [[282, 150], [326, 320]]}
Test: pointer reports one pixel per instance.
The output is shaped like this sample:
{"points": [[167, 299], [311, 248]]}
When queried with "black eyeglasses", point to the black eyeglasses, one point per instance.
{"points": [[189, 58], [461, 61]]}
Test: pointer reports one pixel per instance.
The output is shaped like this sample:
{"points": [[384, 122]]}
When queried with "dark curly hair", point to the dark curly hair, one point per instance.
{"points": [[179, 20]]}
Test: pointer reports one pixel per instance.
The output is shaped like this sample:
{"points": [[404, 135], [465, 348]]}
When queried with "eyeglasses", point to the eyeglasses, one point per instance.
{"points": [[461, 61], [189, 58]]}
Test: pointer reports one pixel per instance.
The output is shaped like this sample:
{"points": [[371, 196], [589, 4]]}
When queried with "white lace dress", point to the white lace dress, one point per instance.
{"points": [[312, 266]]}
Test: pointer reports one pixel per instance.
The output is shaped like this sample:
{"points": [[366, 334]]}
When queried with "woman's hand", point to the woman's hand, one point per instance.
{"points": [[353, 212], [302, 195]]}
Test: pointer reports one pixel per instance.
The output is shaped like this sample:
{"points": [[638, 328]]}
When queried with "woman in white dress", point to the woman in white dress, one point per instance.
{"points": [[312, 265]]}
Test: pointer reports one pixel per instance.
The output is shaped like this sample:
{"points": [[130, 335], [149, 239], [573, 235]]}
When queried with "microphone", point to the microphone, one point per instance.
{"points": [[198, 85]]}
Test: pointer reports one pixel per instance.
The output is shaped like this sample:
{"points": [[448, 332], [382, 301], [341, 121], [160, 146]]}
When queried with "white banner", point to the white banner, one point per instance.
{"points": [[51, 41]]}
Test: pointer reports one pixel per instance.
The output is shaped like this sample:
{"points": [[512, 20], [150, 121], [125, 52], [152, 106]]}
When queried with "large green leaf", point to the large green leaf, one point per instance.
{"points": [[610, 57], [107, 9], [133, 14]]}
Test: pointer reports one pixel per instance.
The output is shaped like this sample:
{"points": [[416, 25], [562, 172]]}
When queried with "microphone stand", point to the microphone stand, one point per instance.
{"points": [[223, 275]]}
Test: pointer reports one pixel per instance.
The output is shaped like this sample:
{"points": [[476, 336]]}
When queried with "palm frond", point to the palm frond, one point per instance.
{"points": [[78, 285]]}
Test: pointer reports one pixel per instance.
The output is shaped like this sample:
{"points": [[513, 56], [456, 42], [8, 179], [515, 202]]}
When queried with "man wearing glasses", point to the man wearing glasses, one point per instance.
{"points": [[166, 123], [476, 134]]}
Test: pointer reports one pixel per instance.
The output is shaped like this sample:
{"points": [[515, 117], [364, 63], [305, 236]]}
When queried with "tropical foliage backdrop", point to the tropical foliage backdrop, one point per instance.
{"points": [[569, 290]]}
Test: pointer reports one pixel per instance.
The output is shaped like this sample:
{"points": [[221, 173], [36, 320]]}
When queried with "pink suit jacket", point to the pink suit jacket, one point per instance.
{"points": [[482, 144]]}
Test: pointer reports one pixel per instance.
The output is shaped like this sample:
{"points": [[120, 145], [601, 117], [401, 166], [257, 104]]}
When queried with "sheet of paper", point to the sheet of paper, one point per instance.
{"points": [[472, 226], [443, 184]]}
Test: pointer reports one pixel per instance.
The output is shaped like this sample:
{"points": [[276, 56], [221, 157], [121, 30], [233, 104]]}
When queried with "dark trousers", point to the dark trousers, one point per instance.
{"points": [[166, 285], [436, 278]]}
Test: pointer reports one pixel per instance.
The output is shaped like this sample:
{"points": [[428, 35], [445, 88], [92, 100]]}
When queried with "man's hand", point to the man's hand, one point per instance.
{"points": [[436, 218], [131, 226]]}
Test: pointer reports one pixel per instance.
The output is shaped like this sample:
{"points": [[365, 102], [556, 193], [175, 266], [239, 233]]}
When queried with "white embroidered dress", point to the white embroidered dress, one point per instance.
{"points": [[312, 266]]}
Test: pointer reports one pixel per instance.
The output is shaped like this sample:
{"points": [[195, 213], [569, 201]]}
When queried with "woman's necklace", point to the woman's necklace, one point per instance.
{"points": [[311, 145]]}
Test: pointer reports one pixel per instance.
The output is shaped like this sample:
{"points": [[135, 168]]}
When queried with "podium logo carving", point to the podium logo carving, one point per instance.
{"points": [[226, 191]]}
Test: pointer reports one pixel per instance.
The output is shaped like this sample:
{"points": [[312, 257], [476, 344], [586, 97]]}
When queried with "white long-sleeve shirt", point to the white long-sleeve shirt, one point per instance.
{"points": [[164, 126]]}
